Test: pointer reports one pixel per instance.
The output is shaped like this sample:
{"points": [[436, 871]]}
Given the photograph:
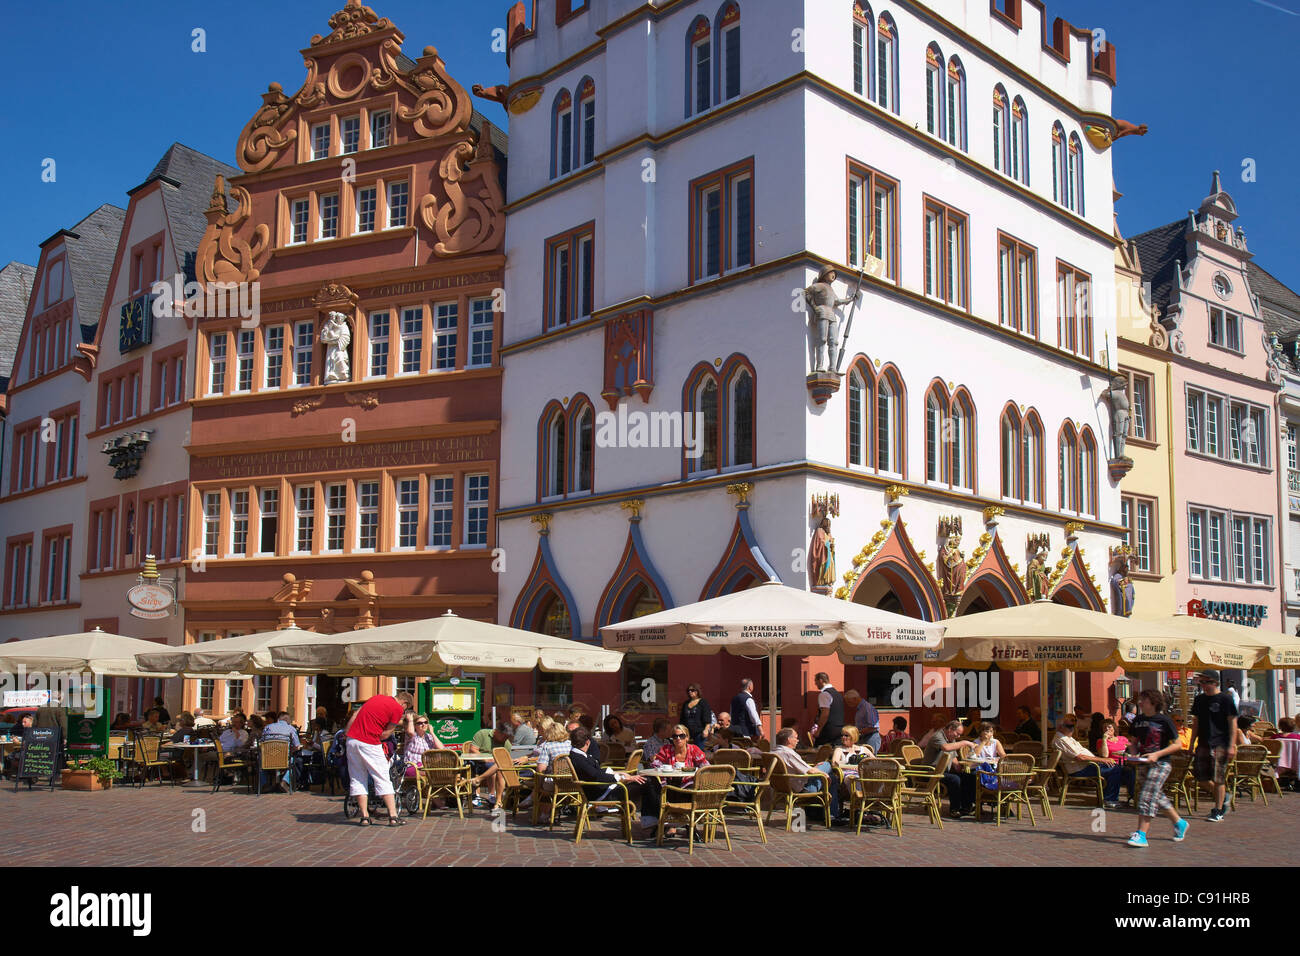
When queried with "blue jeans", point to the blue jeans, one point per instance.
{"points": [[1111, 778], [815, 785]]}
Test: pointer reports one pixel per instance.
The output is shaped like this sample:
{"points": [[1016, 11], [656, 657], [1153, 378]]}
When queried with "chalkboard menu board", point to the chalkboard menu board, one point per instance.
{"points": [[42, 754]]}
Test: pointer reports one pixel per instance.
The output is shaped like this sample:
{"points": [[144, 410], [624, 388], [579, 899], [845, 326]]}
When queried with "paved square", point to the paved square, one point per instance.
{"points": [[156, 827]]}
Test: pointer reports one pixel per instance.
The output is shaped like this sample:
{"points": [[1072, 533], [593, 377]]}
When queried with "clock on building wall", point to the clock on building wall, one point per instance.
{"points": [[136, 328], [1222, 287]]}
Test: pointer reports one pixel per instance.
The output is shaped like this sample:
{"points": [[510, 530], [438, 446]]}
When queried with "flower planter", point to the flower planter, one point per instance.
{"points": [[84, 780]]}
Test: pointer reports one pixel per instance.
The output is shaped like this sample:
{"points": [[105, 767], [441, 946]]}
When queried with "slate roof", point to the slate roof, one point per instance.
{"points": [[1159, 249], [1279, 306], [92, 246], [187, 187], [15, 289]]}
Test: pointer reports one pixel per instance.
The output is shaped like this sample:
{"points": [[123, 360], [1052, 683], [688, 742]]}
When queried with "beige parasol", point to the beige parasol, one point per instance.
{"points": [[111, 655]]}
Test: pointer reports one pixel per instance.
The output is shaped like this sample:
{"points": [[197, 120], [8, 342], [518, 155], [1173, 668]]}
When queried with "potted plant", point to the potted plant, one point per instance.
{"points": [[96, 773]]}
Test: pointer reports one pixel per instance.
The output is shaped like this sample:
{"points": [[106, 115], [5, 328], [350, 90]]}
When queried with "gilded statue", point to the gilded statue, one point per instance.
{"points": [[821, 556]]}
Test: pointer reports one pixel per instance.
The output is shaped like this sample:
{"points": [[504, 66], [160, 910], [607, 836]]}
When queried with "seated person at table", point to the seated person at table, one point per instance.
{"points": [[1286, 727], [845, 758], [419, 738], [11, 759], [1245, 735], [1106, 741], [322, 724], [960, 786], [182, 726], [161, 707], [971, 723], [615, 732], [1027, 725], [153, 723], [489, 737], [201, 719], [282, 729], [987, 747], [786, 738], [898, 733], [681, 751], [937, 723], [484, 742], [659, 736], [556, 742], [121, 722], [235, 737], [255, 727], [1078, 762], [1184, 733], [586, 765], [718, 739], [523, 734]]}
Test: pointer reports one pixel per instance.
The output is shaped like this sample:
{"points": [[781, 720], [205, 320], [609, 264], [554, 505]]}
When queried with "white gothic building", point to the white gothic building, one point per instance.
{"points": [[679, 172]]}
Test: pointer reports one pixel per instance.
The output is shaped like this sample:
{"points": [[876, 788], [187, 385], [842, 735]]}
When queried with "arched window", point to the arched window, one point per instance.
{"points": [[562, 135], [1019, 141], [859, 438], [554, 452], [887, 63], [1074, 167], [934, 91], [699, 67], [1001, 131], [862, 45], [553, 619], [583, 448], [1059, 170], [740, 403], [703, 457], [890, 403], [1068, 468], [585, 148], [961, 452], [1031, 458], [728, 57], [955, 121], [1010, 457], [1087, 473]]}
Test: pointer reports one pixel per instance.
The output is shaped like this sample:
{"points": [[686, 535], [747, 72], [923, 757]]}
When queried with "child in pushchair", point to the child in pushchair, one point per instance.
{"points": [[404, 788]]}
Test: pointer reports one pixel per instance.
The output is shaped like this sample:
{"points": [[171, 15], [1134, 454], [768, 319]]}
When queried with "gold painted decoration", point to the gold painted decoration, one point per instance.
{"points": [[992, 513], [635, 505], [543, 522], [894, 493], [521, 101], [742, 490]]}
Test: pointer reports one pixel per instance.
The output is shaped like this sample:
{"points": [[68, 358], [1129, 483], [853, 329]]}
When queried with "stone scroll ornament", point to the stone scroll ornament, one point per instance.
{"points": [[336, 334], [470, 220], [223, 255]]}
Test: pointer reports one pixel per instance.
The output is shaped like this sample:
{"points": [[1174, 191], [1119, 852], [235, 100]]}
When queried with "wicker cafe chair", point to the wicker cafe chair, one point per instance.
{"points": [[787, 788], [1013, 774], [516, 787], [326, 776], [147, 758], [1176, 786], [1274, 748], [1092, 781], [760, 786], [442, 772], [878, 787], [1027, 747], [1247, 773], [225, 762], [896, 748], [910, 753], [763, 744], [580, 796], [701, 805], [822, 754], [561, 795], [921, 784], [1044, 774], [633, 761], [274, 759], [615, 755]]}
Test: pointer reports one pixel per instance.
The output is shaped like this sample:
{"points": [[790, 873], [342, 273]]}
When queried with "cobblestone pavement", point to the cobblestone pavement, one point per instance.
{"points": [[156, 827]]}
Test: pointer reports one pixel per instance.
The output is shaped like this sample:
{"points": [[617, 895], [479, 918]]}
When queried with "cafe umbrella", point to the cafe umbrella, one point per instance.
{"points": [[768, 620], [231, 658], [111, 655]]}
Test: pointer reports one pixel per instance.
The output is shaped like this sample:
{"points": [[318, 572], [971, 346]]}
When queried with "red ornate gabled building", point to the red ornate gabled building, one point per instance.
{"points": [[346, 437]]}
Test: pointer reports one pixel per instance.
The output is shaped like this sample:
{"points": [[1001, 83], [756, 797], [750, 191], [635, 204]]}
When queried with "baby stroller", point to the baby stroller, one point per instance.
{"points": [[406, 797]]}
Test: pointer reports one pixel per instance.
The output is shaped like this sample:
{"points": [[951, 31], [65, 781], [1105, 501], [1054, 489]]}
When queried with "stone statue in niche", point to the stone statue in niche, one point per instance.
{"points": [[336, 334], [952, 569], [821, 556], [1121, 587], [1036, 580], [1117, 396], [823, 322]]}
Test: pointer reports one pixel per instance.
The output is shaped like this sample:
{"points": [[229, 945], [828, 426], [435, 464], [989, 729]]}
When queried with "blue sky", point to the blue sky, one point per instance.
{"points": [[103, 89]]}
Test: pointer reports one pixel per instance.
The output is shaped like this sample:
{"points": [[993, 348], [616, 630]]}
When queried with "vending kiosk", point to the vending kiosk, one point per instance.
{"points": [[88, 722], [454, 709]]}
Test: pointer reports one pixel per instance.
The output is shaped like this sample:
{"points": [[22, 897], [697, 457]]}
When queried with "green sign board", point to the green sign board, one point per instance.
{"points": [[88, 727], [453, 709]]}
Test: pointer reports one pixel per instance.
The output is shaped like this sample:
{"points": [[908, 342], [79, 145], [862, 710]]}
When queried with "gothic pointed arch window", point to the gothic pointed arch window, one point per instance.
{"points": [[1060, 171], [862, 49], [702, 404], [740, 417], [860, 395], [584, 147], [1074, 171], [936, 412], [699, 67], [955, 105], [934, 90], [1067, 468], [1001, 130], [720, 430], [728, 52], [1031, 458], [1087, 473], [886, 92], [1019, 141], [1012, 432], [562, 138], [961, 451], [583, 417], [553, 457], [553, 618], [891, 404]]}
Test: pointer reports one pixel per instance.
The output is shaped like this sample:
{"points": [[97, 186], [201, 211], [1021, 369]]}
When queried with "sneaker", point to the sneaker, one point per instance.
{"points": [[478, 803], [1137, 839], [1112, 804], [1180, 830], [1216, 815]]}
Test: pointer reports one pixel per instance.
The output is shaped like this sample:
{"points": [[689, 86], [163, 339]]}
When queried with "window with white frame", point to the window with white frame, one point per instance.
{"points": [[562, 135], [381, 123], [320, 141], [398, 194], [408, 512], [886, 65], [336, 515], [1019, 154], [481, 318], [350, 133], [476, 511], [268, 520], [239, 522], [862, 44], [304, 344], [722, 212], [1017, 285], [299, 218], [263, 684], [217, 362], [367, 515], [587, 124], [366, 209], [442, 501], [304, 519], [947, 260], [1291, 447], [873, 218], [1225, 329], [859, 426], [234, 691], [412, 339], [955, 103], [211, 522], [244, 343], [378, 344], [1073, 310], [273, 355], [205, 693], [889, 426], [934, 90], [329, 216], [446, 325]]}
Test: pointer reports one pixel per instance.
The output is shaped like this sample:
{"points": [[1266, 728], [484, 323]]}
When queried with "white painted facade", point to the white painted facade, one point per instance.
{"points": [[800, 135]]}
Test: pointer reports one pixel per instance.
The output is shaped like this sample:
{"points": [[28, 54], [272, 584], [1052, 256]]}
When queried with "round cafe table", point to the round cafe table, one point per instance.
{"points": [[194, 749]]}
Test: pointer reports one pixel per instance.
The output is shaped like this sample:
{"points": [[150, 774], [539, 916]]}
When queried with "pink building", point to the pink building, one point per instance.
{"points": [[1223, 384]]}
